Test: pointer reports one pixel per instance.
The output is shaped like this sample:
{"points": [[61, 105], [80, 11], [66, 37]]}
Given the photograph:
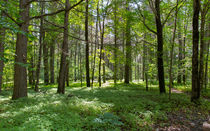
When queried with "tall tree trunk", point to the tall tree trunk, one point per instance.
{"points": [[144, 56], [115, 43], [195, 95], [202, 44], [41, 39], [179, 77], [123, 51], [101, 49], [128, 48], [46, 63], [96, 44], [104, 68], [75, 63], [67, 73], [20, 75], [160, 48], [64, 53], [30, 71], [172, 50], [2, 42], [87, 46], [80, 62], [184, 44], [207, 56], [52, 59]]}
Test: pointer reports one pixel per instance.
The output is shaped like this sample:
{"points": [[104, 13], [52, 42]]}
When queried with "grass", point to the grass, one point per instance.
{"points": [[127, 107], [187, 89]]}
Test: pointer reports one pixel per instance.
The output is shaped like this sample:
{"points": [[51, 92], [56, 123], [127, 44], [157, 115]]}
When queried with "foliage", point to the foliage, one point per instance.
{"points": [[117, 107]]}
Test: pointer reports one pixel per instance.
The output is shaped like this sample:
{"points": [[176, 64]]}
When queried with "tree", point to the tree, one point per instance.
{"points": [[115, 41], [102, 29], [204, 12], [45, 61], [52, 59], [128, 46], [64, 52], [20, 75], [2, 42], [159, 27], [41, 40], [87, 47], [195, 95], [172, 50], [96, 42]]}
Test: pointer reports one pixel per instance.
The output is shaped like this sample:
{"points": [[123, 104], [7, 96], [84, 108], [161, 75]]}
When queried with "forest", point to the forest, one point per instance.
{"points": [[104, 65]]}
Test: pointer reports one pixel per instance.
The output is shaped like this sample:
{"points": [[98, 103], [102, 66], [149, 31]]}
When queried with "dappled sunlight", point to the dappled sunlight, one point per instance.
{"points": [[126, 106]]}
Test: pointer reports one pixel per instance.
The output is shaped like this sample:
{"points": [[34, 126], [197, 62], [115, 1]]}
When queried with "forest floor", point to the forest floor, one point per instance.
{"points": [[120, 107]]}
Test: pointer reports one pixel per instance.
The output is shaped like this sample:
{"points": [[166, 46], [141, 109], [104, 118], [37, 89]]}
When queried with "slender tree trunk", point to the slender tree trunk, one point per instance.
{"points": [[184, 44], [87, 46], [30, 71], [52, 59], [115, 43], [179, 77], [207, 56], [144, 56], [75, 63], [101, 49], [172, 51], [80, 61], [2, 42], [202, 44], [64, 53], [160, 48], [128, 49], [46, 63], [123, 50], [41, 39], [67, 73], [20, 75], [96, 44], [195, 95], [104, 68]]}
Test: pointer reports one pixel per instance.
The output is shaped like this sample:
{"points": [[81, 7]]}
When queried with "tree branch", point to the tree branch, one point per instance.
{"points": [[143, 21], [167, 17], [56, 12], [11, 18], [54, 24]]}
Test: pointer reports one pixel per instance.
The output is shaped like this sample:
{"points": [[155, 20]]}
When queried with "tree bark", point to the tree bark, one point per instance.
{"points": [[52, 63], [115, 43], [96, 41], [172, 51], [45, 62], [160, 47], [75, 63], [41, 39], [202, 44], [30, 71], [2, 42], [179, 77], [87, 46], [128, 48], [104, 68], [101, 49], [195, 95], [20, 75], [207, 56], [67, 73], [64, 53]]}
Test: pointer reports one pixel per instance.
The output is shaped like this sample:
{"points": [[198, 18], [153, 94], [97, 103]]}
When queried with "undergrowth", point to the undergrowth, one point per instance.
{"points": [[127, 107]]}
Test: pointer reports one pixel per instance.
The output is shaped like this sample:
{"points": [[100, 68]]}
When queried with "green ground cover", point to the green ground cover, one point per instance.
{"points": [[120, 107]]}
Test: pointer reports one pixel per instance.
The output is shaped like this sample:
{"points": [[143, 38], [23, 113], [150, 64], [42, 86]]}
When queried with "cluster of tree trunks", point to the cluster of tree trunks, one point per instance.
{"points": [[47, 50]]}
